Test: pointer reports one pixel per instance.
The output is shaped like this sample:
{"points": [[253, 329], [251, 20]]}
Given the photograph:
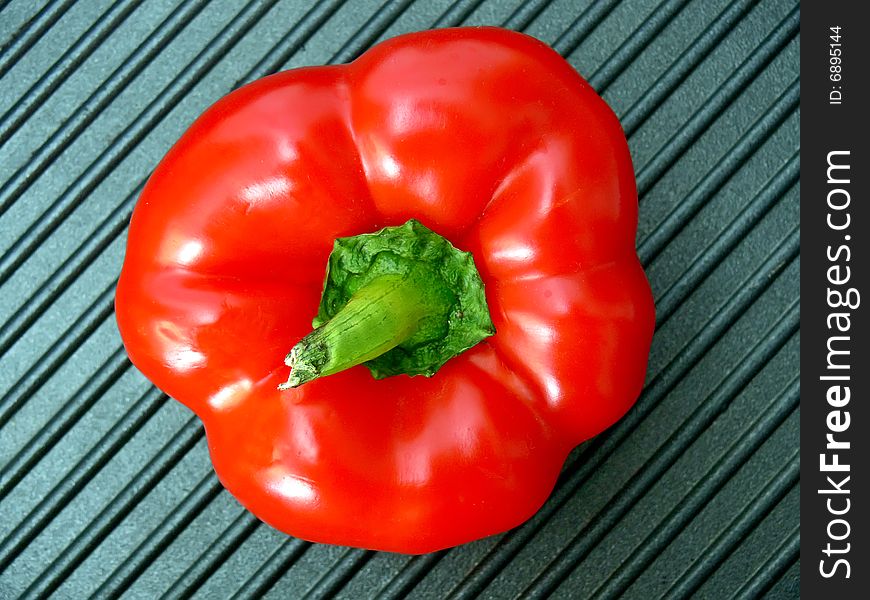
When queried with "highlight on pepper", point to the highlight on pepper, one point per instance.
{"points": [[397, 292]]}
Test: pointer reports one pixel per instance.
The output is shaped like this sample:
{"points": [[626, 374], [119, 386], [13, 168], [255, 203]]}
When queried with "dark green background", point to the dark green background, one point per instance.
{"points": [[106, 486]]}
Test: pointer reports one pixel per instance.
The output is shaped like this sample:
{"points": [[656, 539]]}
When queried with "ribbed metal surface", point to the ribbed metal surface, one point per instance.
{"points": [[105, 484]]}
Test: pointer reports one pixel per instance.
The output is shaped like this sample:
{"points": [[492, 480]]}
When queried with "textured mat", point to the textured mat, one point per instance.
{"points": [[106, 487]]}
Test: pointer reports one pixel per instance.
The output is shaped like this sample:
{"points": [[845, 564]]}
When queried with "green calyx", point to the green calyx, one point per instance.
{"points": [[402, 300]]}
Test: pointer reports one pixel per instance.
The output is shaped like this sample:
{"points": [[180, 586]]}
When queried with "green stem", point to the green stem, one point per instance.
{"points": [[379, 316], [401, 301]]}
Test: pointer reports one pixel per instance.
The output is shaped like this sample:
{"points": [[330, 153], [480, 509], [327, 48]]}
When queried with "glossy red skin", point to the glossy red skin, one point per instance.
{"points": [[487, 137]]}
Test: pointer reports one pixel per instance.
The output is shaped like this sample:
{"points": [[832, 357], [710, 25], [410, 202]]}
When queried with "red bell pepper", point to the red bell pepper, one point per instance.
{"points": [[485, 137]]}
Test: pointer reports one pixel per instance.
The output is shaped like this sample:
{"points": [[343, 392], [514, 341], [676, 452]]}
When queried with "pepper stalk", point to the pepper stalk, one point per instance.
{"points": [[400, 301]]}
